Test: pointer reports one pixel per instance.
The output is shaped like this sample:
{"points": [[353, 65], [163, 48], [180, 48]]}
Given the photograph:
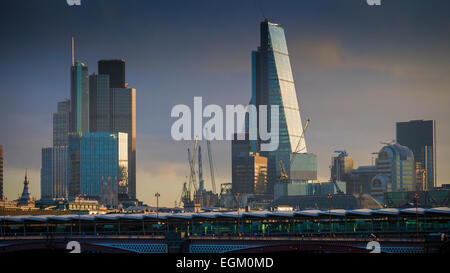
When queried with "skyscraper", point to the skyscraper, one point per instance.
{"points": [[98, 160], [79, 97], [1, 172], [47, 173], [249, 174], [54, 160], [420, 137], [341, 166], [61, 123], [113, 109], [116, 71], [273, 84], [100, 104], [54, 172]]}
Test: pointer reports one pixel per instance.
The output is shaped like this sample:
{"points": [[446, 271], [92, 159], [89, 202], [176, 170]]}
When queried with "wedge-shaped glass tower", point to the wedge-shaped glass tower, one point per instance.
{"points": [[273, 84]]}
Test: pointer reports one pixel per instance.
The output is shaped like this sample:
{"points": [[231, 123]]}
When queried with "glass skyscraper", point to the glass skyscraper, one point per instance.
{"points": [[47, 174], [61, 123], [96, 159], [420, 137], [100, 103], [54, 168], [113, 109], [273, 84], [116, 71], [79, 97]]}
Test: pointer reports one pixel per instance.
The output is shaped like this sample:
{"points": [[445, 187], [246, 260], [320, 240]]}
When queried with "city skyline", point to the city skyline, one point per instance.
{"points": [[381, 74]]}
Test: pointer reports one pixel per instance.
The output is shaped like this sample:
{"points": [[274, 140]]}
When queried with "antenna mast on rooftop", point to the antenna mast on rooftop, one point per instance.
{"points": [[73, 52]]}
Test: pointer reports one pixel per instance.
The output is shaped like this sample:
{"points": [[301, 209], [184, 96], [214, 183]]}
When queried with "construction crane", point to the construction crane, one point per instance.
{"points": [[211, 166], [192, 180], [284, 175], [201, 186], [185, 194], [201, 183]]}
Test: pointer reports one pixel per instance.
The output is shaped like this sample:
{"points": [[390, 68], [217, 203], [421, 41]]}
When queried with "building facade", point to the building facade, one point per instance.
{"points": [[116, 71], [249, 174], [273, 84], [420, 137], [303, 167], [98, 160], [1, 172], [99, 103], [341, 166], [61, 123], [395, 171], [54, 173], [79, 97], [47, 173], [113, 109], [54, 160], [359, 180]]}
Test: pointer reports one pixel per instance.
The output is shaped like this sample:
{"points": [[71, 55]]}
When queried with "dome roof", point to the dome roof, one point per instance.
{"points": [[401, 151]]}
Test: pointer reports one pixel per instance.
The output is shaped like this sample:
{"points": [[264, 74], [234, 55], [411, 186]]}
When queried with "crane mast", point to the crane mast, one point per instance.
{"points": [[211, 166], [284, 175]]}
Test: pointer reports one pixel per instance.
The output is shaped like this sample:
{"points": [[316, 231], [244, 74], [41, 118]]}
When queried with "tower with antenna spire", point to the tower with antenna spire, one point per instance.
{"points": [[79, 95]]}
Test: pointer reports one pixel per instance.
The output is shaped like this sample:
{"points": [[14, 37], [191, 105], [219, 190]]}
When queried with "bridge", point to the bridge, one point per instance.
{"points": [[228, 244], [335, 231]]}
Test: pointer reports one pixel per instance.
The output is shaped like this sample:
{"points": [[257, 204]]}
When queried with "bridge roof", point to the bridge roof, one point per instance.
{"points": [[229, 214], [420, 211], [288, 214], [258, 214], [359, 212], [388, 211], [311, 212], [334, 212], [183, 215], [443, 210]]}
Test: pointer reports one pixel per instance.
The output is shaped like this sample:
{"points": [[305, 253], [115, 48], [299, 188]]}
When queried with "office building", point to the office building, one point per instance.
{"points": [[54, 173], [273, 84], [54, 160], [98, 161], [1, 172], [420, 137], [113, 109], [395, 171], [47, 174], [249, 174], [61, 123], [79, 98], [341, 166], [116, 71], [303, 167], [359, 180]]}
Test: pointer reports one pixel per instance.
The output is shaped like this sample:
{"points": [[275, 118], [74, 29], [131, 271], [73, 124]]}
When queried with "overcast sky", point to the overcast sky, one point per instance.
{"points": [[358, 69]]}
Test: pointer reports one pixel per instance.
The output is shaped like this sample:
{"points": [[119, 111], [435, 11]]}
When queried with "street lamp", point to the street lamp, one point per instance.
{"points": [[329, 209], [157, 195], [416, 196], [79, 212], [238, 196]]}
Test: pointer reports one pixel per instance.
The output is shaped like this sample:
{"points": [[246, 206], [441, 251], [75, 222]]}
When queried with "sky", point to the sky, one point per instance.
{"points": [[358, 69]]}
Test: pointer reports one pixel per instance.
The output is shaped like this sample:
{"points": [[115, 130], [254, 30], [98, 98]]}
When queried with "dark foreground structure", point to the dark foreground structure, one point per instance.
{"points": [[397, 231]]}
